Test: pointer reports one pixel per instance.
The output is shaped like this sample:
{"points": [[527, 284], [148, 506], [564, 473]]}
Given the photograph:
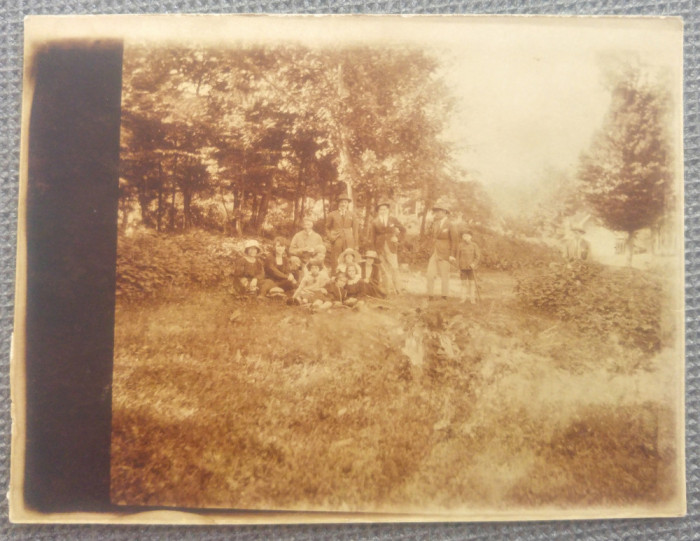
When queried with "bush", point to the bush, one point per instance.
{"points": [[600, 300], [150, 263]]}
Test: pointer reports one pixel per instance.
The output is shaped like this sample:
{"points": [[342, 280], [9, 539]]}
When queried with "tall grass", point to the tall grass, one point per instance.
{"points": [[397, 409]]}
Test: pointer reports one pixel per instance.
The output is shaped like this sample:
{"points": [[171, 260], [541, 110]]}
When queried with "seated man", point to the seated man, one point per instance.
{"points": [[307, 240]]}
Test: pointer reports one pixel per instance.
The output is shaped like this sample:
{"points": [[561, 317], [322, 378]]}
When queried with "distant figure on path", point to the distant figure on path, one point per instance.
{"points": [[342, 227], [445, 239], [385, 233]]}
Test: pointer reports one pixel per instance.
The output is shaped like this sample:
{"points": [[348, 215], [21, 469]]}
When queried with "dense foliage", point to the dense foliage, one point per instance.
{"points": [[150, 264], [600, 300], [260, 129], [627, 175]]}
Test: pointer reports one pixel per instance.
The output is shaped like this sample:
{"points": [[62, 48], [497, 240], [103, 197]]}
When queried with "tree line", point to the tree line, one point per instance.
{"points": [[267, 130]]}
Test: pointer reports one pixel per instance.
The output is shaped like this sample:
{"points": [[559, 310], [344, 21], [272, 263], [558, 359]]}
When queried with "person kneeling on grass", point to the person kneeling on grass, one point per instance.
{"points": [[278, 271], [312, 288], [249, 271], [468, 257]]}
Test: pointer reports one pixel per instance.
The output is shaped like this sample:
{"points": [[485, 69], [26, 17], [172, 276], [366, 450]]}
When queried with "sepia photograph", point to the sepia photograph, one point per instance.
{"points": [[418, 266]]}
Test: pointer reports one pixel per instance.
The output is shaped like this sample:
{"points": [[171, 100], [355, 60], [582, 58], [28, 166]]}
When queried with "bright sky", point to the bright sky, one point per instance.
{"points": [[531, 99]]}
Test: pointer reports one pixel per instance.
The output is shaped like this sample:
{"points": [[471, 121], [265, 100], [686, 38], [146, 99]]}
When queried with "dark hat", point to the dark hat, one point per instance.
{"points": [[440, 206], [344, 198], [383, 204]]}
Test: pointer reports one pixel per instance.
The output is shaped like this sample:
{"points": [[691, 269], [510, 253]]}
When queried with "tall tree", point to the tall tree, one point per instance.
{"points": [[626, 176]]}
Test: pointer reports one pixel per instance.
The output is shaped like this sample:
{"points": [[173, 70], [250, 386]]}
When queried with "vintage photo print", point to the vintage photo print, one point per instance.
{"points": [[321, 269]]}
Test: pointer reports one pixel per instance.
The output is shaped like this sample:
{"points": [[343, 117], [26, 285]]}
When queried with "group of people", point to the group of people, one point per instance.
{"points": [[299, 271]]}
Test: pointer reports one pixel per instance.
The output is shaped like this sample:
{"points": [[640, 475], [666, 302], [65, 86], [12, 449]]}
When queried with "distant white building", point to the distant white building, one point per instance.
{"points": [[585, 237]]}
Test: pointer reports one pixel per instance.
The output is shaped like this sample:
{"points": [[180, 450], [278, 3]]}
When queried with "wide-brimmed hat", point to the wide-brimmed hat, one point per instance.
{"points": [[383, 204], [251, 244], [344, 197], [341, 257], [371, 253], [441, 205]]}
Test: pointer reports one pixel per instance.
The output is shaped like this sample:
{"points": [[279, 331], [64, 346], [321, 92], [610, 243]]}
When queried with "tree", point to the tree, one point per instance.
{"points": [[626, 176]]}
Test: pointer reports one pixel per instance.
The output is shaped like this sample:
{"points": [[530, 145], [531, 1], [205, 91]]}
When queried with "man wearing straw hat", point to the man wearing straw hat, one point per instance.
{"points": [[385, 232], [343, 228], [446, 241]]}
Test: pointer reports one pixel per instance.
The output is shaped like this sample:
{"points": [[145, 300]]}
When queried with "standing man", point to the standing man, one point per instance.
{"points": [[385, 233], [446, 240], [342, 227]]}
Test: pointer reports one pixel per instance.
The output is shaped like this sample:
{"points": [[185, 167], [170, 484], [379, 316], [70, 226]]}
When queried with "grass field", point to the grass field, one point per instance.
{"points": [[403, 405]]}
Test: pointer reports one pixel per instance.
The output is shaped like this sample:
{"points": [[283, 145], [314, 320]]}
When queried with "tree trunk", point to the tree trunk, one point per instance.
{"points": [[629, 246], [262, 212], [227, 216], [159, 211], [186, 209], [368, 216], [254, 212], [172, 196], [298, 209], [424, 216], [143, 200]]}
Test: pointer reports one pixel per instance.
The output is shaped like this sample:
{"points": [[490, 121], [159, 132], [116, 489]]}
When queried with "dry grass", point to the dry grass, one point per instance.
{"points": [[400, 406]]}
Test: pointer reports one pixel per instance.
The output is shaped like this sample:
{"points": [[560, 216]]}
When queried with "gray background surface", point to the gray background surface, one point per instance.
{"points": [[11, 14]]}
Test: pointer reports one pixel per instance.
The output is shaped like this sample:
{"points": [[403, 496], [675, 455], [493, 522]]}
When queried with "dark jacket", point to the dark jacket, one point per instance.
{"points": [[468, 255], [445, 239], [246, 269], [275, 272], [380, 233], [342, 230]]}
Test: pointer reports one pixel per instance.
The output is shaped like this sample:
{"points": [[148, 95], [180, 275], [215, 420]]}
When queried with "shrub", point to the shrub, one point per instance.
{"points": [[599, 300], [150, 263]]}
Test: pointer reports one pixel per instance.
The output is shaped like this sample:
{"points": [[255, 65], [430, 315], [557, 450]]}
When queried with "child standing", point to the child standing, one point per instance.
{"points": [[468, 257]]}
